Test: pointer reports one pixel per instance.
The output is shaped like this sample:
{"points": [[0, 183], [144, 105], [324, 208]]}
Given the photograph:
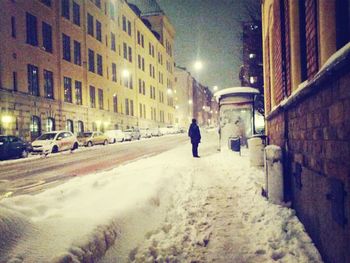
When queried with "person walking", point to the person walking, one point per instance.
{"points": [[195, 135]]}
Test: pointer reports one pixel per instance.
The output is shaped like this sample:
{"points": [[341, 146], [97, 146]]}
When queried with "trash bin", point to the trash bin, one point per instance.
{"points": [[234, 143], [256, 150], [274, 174]]}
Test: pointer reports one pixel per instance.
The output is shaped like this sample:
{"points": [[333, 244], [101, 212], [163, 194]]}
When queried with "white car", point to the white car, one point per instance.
{"points": [[55, 141], [132, 134], [115, 136], [145, 133], [155, 132]]}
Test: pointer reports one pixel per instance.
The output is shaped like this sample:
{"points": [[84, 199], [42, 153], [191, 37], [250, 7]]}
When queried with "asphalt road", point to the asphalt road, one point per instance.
{"points": [[34, 175]]}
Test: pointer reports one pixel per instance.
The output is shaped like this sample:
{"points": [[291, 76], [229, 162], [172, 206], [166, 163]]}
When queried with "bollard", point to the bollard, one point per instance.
{"points": [[274, 174], [256, 151]]}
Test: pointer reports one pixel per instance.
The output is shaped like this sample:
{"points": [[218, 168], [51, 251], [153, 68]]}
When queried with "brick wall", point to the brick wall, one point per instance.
{"points": [[277, 55], [287, 76], [319, 129], [311, 37], [267, 77]]}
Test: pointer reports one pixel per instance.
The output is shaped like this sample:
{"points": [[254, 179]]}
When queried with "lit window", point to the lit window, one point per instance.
{"points": [[252, 55], [253, 80]]}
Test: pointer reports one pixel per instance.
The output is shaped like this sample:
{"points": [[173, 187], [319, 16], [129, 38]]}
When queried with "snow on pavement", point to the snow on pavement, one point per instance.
{"points": [[166, 208]]}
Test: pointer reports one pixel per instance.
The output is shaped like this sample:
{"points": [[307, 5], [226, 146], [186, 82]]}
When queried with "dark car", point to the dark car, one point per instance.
{"points": [[12, 146]]}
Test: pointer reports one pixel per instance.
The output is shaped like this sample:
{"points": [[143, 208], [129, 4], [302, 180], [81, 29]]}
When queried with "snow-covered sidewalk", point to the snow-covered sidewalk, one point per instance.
{"points": [[166, 208]]}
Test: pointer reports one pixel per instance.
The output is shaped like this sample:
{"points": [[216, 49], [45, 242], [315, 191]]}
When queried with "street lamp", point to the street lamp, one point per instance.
{"points": [[190, 102], [125, 73], [198, 65], [215, 88]]}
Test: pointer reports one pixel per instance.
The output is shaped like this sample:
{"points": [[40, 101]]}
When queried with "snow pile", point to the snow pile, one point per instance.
{"points": [[74, 220], [166, 208], [222, 217]]}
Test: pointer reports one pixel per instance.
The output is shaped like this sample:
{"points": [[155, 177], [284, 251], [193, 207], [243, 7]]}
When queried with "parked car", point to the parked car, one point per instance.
{"points": [[115, 136], [13, 146], [155, 132], [92, 138], [145, 133], [134, 133], [55, 141]]}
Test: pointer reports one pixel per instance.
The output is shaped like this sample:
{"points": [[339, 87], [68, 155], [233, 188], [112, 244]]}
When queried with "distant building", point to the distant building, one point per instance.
{"points": [[251, 73], [84, 65], [307, 103], [193, 100]]}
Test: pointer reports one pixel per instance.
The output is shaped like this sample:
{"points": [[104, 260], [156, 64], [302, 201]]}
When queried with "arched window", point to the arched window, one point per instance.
{"points": [[51, 126], [69, 126], [35, 127], [80, 127]]}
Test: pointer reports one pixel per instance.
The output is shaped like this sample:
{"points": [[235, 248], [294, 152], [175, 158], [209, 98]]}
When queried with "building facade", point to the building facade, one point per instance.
{"points": [[84, 65], [193, 100], [307, 103]]}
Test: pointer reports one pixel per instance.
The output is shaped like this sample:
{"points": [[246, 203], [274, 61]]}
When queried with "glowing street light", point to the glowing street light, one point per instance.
{"points": [[215, 88], [169, 91], [125, 73], [198, 65], [190, 102], [6, 119]]}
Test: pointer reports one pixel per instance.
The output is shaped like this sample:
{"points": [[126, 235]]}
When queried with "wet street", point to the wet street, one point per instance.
{"points": [[35, 174]]}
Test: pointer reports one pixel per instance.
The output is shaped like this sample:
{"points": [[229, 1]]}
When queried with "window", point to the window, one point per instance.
{"points": [[99, 65], [80, 127], [13, 27], [100, 99], [92, 97], [129, 28], [50, 124], [76, 13], [66, 47], [342, 22], [91, 60], [139, 61], [130, 54], [67, 82], [98, 3], [143, 88], [31, 28], [33, 80], [77, 53], [125, 51], [47, 37], [65, 8], [112, 10], [90, 24], [140, 107], [78, 93], [48, 84], [15, 83], [98, 31], [46, 2], [35, 127], [114, 72], [69, 126], [124, 24], [140, 86], [115, 103], [126, 106], [113, 42]]}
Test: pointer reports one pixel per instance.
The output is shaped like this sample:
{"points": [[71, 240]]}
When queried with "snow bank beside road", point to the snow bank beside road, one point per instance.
{"points": [[79, 214]]}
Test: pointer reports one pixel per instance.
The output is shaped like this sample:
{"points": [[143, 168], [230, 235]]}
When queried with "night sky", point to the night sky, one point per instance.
{"points": [[210, 31]]}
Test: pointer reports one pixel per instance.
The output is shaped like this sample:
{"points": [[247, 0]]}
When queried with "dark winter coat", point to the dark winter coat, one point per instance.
{"points": [[194, 133]]}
